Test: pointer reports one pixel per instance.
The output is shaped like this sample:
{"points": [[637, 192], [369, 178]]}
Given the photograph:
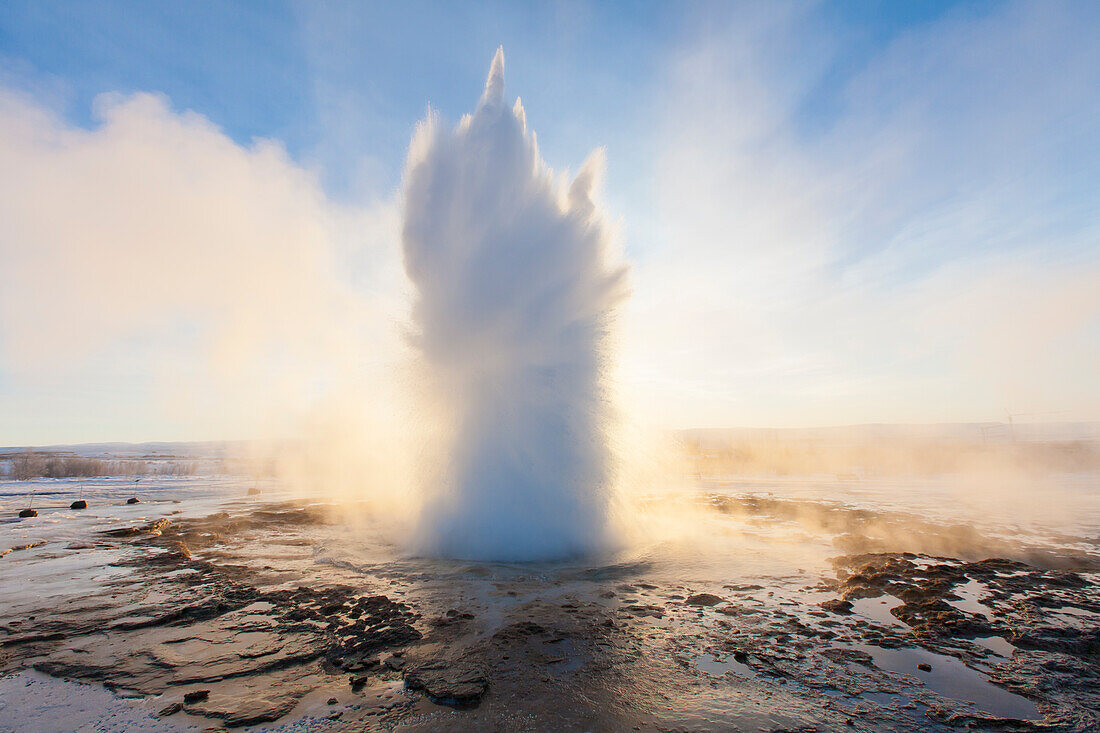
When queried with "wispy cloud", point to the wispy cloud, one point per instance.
{"points": [[890, 255]]}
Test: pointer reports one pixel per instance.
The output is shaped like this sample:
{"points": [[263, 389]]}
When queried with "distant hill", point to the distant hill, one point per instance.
{"points": [[988, 432]]}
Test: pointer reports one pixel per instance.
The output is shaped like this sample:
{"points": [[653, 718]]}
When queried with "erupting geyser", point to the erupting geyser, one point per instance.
{"points": [[516, 284]]}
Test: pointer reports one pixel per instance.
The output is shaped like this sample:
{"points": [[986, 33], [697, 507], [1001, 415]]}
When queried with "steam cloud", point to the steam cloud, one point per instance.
{"points": [[516, 287]]}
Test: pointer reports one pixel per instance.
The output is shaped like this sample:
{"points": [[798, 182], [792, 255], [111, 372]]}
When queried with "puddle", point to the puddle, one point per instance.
{"points": [[258, 607], [1077, 618], [968, 599], [996, 644], [40, 703], [878, 609], [953, 679], [712, 666]]}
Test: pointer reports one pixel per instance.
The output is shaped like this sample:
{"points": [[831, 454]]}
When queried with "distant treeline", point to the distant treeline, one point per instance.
{"points": [[43, 465]]}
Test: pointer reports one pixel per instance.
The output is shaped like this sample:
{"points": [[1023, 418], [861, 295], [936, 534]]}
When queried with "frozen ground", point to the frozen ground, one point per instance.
{"points": [[792, 605]]}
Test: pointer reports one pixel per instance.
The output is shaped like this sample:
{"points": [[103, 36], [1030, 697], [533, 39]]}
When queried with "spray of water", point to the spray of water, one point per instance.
{"points": [[516, 286]]}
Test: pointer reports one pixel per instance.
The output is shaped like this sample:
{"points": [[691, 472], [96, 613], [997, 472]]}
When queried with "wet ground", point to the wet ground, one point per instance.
{"points": [[206, 607]]}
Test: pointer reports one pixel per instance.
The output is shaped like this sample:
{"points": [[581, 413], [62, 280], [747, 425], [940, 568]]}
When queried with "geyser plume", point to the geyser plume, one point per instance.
{"points": [[516, 286]]}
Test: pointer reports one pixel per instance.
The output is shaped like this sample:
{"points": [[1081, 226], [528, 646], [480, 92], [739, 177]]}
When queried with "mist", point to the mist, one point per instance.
{"points": [[444, 353], [160, 281]]}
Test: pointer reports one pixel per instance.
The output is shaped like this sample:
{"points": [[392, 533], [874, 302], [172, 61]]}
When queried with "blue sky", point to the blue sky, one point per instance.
{"points": [[815, 187], [587, 71], [283, 70]]}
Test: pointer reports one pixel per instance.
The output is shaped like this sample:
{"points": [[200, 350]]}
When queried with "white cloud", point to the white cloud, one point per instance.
{"points": [[222, 271]]}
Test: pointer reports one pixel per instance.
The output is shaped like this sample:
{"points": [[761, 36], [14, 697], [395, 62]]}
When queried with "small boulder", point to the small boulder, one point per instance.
{"points": [[28, 513], [703, 599], [460, 686], [924, 667], [133, 500], [837, 605], [171, 710], [79, 504]]}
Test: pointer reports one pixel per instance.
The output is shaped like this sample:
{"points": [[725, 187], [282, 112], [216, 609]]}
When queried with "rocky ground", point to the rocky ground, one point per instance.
{"points": [[240, 620]]}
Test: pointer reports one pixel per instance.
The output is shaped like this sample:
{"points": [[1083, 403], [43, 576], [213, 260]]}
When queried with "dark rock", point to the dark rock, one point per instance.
{"points": [[332, 701], [994, 565], [156, 529], [196, 696], [79, 504], [937, 616], [356, 665], [1065, 580], [703, 599], [395, 663], [837, 605], [843, 655], [133, 500], [171, 710], [261, 710], [460, 686], [924, 667], [28, 513]]}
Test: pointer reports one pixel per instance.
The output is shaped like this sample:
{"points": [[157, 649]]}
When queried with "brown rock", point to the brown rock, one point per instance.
{"points": [[196, 696], [459, 686], [171, 710], [837, 605]]}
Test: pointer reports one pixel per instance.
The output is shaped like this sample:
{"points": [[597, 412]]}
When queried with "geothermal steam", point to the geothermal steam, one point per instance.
{"points": [[516, 286]]}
